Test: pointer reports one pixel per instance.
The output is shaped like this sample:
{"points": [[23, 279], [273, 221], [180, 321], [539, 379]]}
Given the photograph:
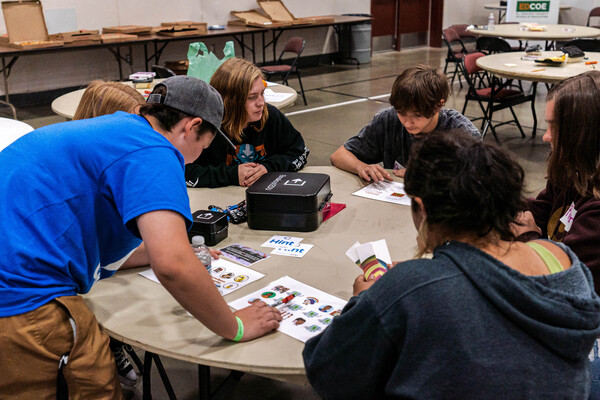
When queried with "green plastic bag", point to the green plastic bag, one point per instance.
{"points": [[203, 66]]}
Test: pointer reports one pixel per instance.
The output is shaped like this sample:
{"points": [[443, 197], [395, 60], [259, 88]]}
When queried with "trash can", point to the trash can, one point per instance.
{"points": [[355, 41]]}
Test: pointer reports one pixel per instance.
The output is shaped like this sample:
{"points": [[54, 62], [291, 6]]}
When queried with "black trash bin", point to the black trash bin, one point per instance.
{"points": [[355, 41]]}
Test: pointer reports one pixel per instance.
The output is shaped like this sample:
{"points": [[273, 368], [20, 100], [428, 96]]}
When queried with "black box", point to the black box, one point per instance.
{"points": [[288, 201], [212, 225]]}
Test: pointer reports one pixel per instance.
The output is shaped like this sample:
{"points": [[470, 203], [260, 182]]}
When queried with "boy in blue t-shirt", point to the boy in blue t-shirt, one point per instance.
{"points": [[76, 201]]}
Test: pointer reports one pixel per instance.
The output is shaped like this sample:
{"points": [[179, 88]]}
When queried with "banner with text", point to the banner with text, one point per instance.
{"points": [[538, 11]]}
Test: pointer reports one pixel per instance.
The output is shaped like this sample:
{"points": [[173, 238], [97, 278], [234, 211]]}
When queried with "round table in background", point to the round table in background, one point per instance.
{"points": [[551, 33], [11, 130], [511, 66], [66, 104]]}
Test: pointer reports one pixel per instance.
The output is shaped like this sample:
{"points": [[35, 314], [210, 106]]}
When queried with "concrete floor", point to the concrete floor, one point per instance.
{"points": [[325, 123]]}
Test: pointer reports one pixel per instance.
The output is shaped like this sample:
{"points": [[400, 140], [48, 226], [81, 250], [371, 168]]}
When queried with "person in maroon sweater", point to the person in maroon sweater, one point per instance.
{"points": [[568, 209]]}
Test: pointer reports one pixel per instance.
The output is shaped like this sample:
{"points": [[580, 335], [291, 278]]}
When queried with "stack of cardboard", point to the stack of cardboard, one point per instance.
{"points": [[137, 30], [81, 36], [182, 28], [26, 26]]}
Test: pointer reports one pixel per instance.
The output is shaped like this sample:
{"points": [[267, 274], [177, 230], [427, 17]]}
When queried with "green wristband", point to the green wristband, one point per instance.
{"points": [[240, 331]]}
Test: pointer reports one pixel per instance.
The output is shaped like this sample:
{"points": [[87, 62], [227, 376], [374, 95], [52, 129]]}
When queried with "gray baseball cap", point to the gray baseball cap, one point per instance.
{"points": [[193, 97]]}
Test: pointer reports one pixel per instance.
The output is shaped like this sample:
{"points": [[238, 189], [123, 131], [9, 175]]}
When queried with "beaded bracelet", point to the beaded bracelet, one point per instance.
{"points": [[240, 331]]}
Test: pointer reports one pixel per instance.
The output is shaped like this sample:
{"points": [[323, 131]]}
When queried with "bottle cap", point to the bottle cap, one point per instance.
{"points": [[198, 240]]}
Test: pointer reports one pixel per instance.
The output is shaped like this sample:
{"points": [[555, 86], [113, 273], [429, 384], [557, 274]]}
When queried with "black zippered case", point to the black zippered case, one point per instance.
{"points": [[288, 201], [212, 225]]}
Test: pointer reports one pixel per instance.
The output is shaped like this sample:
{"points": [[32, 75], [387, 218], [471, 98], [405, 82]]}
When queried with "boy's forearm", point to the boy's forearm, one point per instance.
{"points": [[137, 259], [343, 159], [191, 285]]}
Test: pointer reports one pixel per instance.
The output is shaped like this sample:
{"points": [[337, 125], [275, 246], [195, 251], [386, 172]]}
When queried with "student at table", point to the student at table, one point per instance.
{"points": [[568, 209], [417, 98], [486, 317], [77, 202], [107, 97], [103, 98], [264, 139]]}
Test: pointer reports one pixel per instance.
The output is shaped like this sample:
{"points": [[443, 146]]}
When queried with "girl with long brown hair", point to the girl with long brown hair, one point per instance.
{"points": [[264, 138]]}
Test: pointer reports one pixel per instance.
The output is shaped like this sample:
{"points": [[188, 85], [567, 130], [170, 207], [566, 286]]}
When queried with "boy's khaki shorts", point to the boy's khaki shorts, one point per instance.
{"points": [[32, 344]]}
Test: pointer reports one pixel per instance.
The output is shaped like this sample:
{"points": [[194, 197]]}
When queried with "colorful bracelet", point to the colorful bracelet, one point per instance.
{"points": [[240, 331]]}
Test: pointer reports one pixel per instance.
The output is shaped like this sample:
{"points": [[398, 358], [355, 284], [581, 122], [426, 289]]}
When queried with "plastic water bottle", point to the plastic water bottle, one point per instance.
{"points": [[491, 22], [202, 252]]}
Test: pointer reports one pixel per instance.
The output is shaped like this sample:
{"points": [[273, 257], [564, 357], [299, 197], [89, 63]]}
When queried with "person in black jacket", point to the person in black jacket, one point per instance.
{"points": [[264, 139]]}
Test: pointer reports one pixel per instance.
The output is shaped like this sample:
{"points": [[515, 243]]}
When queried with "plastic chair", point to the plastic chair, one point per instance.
{"points": [[456, 53], [492, 45], [585, 44], [494, 97], [294, 45], [162, 72], [468, 38], [594, 12]]}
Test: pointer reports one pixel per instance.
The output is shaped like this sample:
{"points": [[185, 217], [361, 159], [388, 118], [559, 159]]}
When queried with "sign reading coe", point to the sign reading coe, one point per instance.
{"points": [[528, 6]]}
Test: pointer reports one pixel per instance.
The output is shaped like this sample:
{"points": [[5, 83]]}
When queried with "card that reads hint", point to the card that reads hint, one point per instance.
{"points": [[243, 254], [296, 251], [281, 241]]}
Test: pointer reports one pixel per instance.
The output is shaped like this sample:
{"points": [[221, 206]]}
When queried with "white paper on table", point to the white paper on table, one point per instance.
{"points": [[391, 192], [271, 96], [298, 251], [227, 276], [312, 305], [378, 247], [282, 241]]}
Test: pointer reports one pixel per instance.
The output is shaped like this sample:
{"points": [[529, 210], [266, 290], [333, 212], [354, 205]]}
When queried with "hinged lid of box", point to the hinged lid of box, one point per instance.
{"points": [[276, 10], [288, 192], [24, 21], [255, 18]]}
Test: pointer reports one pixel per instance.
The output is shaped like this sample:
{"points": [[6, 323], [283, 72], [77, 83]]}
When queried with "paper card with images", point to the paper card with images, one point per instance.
{"points": [[391, 192], [306, 315], [227, 276]]}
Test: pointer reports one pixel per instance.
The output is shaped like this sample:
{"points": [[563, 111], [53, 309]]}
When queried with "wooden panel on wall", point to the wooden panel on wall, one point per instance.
{"points": [[414, 16], [384, 17], [437, 17]]}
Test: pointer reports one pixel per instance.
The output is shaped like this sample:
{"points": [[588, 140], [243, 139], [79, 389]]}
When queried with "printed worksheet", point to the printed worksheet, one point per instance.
{"points": [[391, 192], [306, 315], [227, 276]]}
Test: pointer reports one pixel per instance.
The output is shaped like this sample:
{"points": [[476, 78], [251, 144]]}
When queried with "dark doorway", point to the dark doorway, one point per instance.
{"points": [[406, 23]]}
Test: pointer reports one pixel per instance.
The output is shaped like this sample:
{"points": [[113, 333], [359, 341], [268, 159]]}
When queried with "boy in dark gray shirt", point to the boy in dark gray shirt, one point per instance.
{"points": [[417, 98]]}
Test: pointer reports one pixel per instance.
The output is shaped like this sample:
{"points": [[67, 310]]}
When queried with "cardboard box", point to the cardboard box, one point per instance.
{"points": [[278, 12], [182, 28], [255, 18], [212, 225], [188, 24], [116, 37], [129, 29], [26, 26], [81, 36]]}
